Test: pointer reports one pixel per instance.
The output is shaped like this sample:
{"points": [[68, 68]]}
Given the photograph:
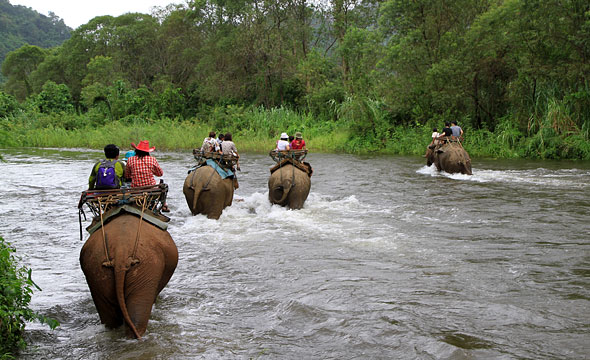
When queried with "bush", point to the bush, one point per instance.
{"points": [[54, 98], [16, 289], [8, 104]]}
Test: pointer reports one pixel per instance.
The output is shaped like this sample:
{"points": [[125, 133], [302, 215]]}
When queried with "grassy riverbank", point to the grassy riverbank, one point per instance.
{"points": [[256, 130]]}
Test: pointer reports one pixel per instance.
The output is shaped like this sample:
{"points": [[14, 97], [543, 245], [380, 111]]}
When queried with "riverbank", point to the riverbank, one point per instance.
{"points": [[258, 132]]}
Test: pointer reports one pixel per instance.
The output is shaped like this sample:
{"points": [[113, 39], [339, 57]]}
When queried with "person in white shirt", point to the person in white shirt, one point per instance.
{"points": [[283, 142], [210, 144], [435, 135]]}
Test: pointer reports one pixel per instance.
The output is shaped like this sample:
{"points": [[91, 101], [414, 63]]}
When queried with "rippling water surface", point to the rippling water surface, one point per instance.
{"points": [[387, 260]]}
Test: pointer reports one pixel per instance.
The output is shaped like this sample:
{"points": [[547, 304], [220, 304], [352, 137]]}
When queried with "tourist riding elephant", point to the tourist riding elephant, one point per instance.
{"points": [[289, 185], [450, 157], [141, 261], [207, 193]]}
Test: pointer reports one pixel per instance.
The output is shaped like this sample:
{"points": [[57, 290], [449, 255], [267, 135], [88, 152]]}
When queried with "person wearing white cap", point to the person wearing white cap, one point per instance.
{"points": [[283, 142]]}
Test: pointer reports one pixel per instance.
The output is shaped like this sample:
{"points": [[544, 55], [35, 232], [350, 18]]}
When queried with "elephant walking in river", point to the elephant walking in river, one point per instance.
{"points": [[289, 184], [450, 157], [207, 193], [126, 267]]}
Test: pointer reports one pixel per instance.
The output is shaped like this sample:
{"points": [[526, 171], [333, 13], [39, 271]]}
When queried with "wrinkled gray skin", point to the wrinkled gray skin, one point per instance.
{"points": [[207, 193], [451, 158], [289, 186], [124, 293]]}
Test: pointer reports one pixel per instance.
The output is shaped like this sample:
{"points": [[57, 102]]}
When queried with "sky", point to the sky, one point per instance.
{"points": [[78, 12]]}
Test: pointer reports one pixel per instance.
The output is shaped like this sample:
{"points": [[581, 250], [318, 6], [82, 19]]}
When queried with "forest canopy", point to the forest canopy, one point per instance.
{"points": [[516, 67], [20, 25]]}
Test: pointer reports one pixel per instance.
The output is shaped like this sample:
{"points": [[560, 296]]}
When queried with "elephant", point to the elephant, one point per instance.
{"points": [[141, 261], [449, 157], [207, 193], [289, 184]]}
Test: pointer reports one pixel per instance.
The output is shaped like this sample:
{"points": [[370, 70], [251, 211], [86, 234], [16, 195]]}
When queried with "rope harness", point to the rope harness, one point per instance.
{"points": [[100, 201]]}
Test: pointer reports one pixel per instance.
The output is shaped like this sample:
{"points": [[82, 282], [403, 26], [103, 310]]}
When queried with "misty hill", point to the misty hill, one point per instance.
{"points": [[21, 25]]}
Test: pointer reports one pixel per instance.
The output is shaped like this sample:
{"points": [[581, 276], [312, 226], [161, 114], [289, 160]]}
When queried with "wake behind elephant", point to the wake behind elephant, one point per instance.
{"points": [[207, 193], [450, 157], [289, 183], [127, 263]]}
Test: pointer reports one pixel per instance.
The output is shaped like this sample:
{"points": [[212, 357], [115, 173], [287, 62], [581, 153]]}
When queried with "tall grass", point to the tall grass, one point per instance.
{"points": [[361, 126]]}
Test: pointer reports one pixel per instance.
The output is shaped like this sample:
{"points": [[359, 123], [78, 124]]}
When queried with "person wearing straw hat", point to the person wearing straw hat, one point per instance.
{"points": [[298, 143], [283, 143], [142, 167]]}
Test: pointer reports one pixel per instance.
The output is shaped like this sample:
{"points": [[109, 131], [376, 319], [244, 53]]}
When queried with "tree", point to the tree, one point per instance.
{"points": [[18, 67]]}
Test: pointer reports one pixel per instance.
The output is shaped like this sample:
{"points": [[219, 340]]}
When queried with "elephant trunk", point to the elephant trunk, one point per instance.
{"points": [[284, 188], [120, 272], [466, 168]]}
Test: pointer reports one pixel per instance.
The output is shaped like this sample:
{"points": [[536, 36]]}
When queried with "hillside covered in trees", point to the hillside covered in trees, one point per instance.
{"points": [[514, 73], [20, 25]]}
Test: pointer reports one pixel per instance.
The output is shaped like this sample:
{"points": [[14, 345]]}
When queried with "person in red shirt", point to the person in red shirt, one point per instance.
{"points": [[142, 167], [298, 143]]}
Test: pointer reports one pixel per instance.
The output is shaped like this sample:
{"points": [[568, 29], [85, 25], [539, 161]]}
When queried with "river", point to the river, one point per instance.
{"points": [[387, 260]]}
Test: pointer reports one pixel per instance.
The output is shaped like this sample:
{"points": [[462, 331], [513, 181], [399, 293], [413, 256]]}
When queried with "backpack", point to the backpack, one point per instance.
{"points": [[106, 177]]}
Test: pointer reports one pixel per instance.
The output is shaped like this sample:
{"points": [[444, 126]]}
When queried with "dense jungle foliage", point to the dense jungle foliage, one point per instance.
{"points": [[16, 289], [20, 25], [352, 75]]}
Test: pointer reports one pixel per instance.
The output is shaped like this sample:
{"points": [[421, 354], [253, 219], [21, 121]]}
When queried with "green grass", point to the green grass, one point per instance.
{"points": [[256, 129]]}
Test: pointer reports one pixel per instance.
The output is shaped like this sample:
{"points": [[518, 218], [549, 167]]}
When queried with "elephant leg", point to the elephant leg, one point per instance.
{"points": [[105, 300], [100, 282], [229, 192]]}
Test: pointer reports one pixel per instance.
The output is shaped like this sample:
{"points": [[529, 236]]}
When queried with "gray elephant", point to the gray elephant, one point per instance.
{"points": [[126, 267], [207, 193], [450, 157], [289, 184]]}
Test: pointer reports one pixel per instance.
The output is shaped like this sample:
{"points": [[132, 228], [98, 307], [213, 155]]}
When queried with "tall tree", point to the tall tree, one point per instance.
{"points": [[18, 67]]}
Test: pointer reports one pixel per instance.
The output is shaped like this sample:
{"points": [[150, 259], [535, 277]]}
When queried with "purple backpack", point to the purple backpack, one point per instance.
{"points": [[106, 177]]}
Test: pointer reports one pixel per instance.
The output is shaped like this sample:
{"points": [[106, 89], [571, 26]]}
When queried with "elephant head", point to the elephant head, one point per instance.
{"points": [[429, 155], [207, 193], [289, 186], [127, 263]]}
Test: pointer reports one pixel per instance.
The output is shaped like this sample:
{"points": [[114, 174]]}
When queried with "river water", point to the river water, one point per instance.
{"points": [[387, 260]]}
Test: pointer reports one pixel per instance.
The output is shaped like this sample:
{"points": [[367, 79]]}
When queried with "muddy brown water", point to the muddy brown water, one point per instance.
{"points": [[387, 260]]}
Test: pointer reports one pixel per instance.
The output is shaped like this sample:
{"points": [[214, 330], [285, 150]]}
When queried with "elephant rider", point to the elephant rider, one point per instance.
{"points": [[298, 143], [142, 167], [283, 143], [229, 148], [107, 173], [446, 133], [210, 144], [456, 129]]}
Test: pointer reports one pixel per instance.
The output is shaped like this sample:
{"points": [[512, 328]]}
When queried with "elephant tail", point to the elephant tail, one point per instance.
{"points": [[120, 272]]}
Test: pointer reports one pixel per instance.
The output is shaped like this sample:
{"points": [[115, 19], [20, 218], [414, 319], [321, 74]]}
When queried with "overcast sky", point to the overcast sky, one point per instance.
{"points": [[78, 12]]}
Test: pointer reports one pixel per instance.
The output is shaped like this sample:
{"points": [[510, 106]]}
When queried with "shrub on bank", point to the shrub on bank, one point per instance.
{"points": [[16, 289]]}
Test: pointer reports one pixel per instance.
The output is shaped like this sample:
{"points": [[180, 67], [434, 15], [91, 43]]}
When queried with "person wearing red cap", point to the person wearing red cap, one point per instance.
{"points": [[142, 167]]}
